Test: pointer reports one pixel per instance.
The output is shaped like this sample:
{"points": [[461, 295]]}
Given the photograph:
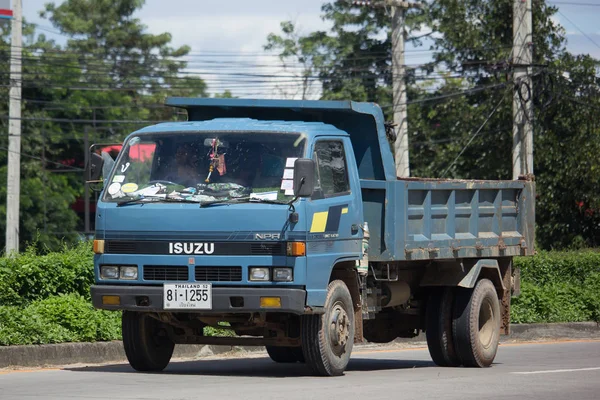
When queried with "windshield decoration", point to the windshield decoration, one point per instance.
{"points": [[129, 188], [115, 190], [119, 178], [201, 167], [216, 160]]}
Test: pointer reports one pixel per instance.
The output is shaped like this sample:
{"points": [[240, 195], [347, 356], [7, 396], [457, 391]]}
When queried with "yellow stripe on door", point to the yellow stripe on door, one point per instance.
{"points": [[319, 221], [345, 210]]}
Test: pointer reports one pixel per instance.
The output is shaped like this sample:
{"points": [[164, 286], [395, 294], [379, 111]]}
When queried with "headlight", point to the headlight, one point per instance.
{"points": [[259, 274], [283, 274], [130, 273], [109, 272]]}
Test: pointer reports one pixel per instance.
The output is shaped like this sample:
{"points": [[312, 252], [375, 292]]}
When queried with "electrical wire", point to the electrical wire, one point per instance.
{"points": [[579, 29], [81, 121], [475, 134], [66, 167], [567, 3]]}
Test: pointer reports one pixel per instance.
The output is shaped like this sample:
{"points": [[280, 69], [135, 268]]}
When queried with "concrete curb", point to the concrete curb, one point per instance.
{"points": [[107, 352], [572, 330]]}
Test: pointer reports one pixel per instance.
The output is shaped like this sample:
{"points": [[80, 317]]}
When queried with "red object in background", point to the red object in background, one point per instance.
{"points": [[140, 152], [4, 13], [79, 206]]}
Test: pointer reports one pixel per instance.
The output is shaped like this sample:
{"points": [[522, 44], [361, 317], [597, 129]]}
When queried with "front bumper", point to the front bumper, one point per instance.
{"points": [[150, 298]]}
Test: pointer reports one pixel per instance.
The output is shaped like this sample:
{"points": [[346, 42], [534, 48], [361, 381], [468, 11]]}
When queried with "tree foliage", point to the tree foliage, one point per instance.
{"points": [[460, 102], [109, 69]]}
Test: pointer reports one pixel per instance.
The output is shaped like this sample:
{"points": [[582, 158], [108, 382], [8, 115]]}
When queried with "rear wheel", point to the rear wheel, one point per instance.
{"points": [[327, 339], [439, 327], [146, 344], [285, 354], [476, 324]]}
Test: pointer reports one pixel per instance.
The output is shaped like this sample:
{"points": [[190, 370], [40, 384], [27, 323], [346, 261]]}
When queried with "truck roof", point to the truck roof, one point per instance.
{"points": [[245, 124], [364, 122]]}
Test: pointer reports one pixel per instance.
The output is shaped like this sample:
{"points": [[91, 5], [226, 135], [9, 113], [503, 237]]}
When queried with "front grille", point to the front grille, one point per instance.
{"points": [[165, 273], [120, 247], [190, 247], [271, 249], [218, 274]]}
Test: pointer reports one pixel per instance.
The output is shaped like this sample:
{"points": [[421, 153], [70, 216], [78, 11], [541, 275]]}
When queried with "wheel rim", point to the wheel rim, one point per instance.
{"points": [[486, 323], [339, 329]]}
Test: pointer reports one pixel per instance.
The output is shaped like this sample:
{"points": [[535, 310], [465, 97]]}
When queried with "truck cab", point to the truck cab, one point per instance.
{"points": [[255, 214]]}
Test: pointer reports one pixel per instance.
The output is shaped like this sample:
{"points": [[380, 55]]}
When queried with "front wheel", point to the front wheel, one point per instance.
{"points": [[327, 339], [476, 324], [147, 346]]}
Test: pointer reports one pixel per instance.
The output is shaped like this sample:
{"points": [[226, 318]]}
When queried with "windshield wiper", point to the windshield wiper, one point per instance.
{"points": [[143, 200], [241, 200]]}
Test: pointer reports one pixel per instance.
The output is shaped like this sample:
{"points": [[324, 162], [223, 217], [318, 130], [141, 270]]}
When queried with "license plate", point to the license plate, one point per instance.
{"points": [[187, 296]]}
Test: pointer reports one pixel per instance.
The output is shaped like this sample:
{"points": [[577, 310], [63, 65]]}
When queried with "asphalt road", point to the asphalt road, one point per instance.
{"points": [[564, 370]]}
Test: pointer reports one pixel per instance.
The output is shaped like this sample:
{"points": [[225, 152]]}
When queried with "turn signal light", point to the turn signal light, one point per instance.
{"points": [[111, 300], [99, 246], [270, 302], [296, 249]]}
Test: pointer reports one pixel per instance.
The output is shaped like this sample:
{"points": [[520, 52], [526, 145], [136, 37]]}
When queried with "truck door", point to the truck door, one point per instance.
{"points": [[334, 214]]}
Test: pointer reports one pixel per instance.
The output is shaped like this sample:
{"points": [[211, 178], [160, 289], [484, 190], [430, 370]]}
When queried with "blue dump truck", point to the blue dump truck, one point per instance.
{"points": [[284, 221]]}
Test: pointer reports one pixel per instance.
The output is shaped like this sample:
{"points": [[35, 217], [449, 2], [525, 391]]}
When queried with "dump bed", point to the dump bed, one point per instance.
{"points": [[423, 219]]}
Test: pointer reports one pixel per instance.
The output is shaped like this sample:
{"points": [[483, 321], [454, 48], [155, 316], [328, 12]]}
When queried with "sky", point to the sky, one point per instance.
{"points": [[235, 31]]}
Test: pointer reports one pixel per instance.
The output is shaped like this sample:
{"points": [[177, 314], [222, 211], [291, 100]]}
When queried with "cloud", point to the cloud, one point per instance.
{"points": [[240, 30]]}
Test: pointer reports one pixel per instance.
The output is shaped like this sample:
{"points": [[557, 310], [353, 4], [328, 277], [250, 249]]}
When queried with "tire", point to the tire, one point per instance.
{"points": [[476, 324], [285, 355], [327, 339], [439, 327], [147, 346], [299, 354]]}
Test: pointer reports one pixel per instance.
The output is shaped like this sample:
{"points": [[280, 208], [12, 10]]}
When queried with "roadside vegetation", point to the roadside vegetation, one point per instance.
{"points": [[558, 286], [45, 298]]}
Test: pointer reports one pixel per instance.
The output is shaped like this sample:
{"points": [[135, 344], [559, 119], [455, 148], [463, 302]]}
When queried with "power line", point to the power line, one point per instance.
{"points": [[43, 160], [450, 95], [475, 134], [581, 4], [83, 121], [579, 29]]}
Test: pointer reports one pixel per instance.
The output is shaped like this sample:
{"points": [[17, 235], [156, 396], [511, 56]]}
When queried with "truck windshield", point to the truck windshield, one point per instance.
{"points": [[205, 166]]}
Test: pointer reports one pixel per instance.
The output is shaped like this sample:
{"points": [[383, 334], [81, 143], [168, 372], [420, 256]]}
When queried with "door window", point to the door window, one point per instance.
{"points": [[331, 172]]}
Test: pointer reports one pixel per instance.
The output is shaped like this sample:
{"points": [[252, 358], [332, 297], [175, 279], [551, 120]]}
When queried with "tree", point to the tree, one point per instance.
{"points": [[460, 112], [110, 69]]}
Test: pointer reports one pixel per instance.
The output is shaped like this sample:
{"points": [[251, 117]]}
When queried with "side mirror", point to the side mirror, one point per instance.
{"points": [[95, 167], [101, 158], [304, 177]]}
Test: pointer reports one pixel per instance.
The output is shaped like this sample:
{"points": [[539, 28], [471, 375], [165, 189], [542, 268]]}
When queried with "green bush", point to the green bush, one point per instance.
{"points": [[560, 302], [46, 298], [63, 318], [550, 267], [558, 287], [31, 277]]}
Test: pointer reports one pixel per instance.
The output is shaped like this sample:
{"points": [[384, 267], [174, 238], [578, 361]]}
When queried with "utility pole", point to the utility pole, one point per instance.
{"points": [[14, 132], [399, 92], [86, 185], [399, 99], [522, 96]]}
